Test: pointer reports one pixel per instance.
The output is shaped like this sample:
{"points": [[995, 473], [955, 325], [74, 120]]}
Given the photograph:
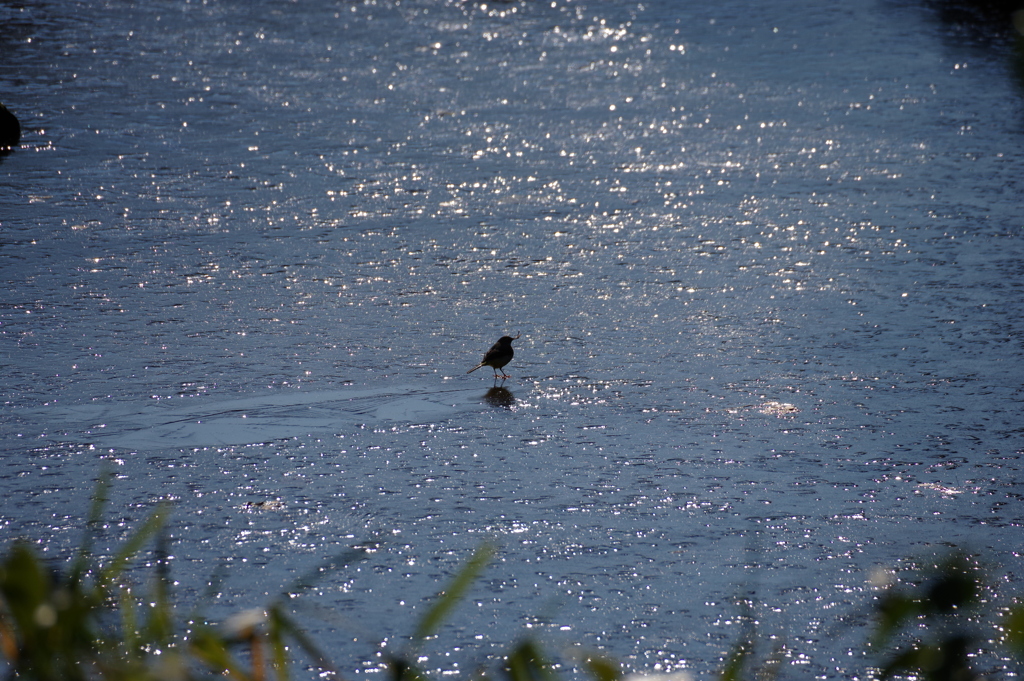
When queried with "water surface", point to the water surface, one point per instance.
{"points": [[766, 262]]}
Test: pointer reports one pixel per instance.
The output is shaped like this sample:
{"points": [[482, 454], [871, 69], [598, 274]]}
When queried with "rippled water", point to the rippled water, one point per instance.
{"points": [[766, 261]]}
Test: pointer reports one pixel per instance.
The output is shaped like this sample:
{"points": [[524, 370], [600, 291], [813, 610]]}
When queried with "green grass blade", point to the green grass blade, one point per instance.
{"points": [[447, 599], [160, 625], [732, 670], [332, 564], [134, 544], [129, 626], [275, 636], [296, 634], [527, 663], [211, 649], [602, 668], [99, 499]]}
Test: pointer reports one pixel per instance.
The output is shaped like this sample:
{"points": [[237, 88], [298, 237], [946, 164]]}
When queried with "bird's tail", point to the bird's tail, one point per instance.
{"points": [[475, 368]]}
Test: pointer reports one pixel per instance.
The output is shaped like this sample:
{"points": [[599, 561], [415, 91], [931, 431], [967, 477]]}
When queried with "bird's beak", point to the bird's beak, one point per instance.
{"points": [[517, 336]]}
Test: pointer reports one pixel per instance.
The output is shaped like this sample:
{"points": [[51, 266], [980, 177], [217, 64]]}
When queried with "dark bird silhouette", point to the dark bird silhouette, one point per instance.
{"points": [[10, 130], [499, 355]]}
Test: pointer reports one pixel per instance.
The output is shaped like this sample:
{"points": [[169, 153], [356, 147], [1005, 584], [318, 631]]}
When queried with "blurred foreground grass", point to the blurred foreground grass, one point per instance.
{"points": [[88, 623]]}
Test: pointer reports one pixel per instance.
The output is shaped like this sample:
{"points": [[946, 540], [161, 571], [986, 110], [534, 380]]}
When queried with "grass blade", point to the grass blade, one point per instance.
{"points": [[446, 600]]}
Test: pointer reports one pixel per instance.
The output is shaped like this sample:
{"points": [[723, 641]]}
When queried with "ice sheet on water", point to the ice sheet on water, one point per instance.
{"points": [[213, 421]]}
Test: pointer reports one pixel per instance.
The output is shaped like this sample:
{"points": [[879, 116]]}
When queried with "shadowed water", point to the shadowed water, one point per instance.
{"points": [[766, 262]]}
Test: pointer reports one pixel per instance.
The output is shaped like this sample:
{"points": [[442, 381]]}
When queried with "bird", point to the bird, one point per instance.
{"points": [[10, 130], [499, 355]]}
